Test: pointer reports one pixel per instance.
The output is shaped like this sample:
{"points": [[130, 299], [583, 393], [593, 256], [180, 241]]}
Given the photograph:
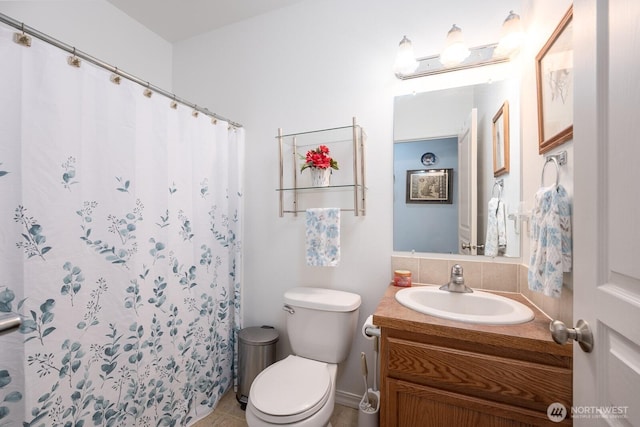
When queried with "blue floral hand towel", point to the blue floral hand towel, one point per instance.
{"points": [[323, 237], [550, 240]]}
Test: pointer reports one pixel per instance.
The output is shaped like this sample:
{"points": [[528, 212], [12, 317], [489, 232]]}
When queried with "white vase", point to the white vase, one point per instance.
{"points": [[320, 177]]}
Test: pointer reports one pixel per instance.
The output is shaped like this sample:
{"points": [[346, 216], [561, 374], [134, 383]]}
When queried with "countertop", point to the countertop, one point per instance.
{"points": [[530, 336]]}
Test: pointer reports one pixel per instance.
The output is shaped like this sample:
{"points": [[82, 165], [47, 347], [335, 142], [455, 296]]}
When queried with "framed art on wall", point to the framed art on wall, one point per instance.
{"points": [[429, 186], [554, 77], [501, 140]]}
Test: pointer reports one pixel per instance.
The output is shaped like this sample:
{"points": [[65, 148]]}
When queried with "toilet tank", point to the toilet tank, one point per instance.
{"points": [[321, 323]]}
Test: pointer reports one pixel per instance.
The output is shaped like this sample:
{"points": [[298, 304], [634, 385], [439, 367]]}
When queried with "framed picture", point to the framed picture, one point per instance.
{"points": [[429, 186], [554, 77], [501, 140]]}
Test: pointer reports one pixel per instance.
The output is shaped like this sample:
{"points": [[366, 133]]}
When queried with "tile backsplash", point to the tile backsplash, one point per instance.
{"points": [[488, 275]]}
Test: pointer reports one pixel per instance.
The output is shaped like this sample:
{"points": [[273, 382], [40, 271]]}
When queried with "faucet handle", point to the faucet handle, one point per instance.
{"points": [[456, 275], [456, 281], [456, 270]]}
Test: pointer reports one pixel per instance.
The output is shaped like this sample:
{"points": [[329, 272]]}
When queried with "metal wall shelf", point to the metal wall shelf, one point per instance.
{"points": [[329, 188], [347, 146]]}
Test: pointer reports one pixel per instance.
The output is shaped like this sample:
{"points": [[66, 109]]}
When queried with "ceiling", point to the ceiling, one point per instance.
{"points": [[176, 20]]}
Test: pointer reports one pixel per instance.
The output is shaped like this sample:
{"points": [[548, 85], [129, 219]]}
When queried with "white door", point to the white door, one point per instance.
{"points": [[468, 185], [607, 210]]}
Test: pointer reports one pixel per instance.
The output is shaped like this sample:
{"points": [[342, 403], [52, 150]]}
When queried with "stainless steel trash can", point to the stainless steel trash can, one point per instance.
{"points": [[256, 351]]}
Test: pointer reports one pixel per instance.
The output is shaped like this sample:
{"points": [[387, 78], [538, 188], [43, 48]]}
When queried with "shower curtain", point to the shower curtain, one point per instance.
{"points": [[120, 248]]}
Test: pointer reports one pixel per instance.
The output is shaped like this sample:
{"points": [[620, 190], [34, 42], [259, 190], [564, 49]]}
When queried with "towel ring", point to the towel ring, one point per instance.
{"points": [[499, 185], [554, 160]]}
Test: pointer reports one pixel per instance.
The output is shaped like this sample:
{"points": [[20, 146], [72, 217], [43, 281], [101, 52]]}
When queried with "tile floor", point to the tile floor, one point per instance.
{"points": [[229, 414]]}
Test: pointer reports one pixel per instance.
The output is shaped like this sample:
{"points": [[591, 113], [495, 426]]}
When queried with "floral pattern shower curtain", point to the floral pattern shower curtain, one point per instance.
{"points": [[120, 229]]}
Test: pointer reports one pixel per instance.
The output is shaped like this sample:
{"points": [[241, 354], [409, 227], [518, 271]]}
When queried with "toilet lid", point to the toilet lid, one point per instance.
{"points": [[294, 388]]}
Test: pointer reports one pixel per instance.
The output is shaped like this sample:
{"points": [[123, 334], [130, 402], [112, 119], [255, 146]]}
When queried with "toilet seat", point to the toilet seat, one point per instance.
{"points": [[291, 390]]}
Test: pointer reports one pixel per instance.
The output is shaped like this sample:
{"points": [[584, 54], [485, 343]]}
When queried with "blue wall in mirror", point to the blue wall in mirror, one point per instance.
{"points": [[440, 231]]}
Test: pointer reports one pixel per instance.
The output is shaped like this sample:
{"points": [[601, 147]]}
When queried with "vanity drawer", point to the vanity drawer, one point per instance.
{"points": [[500, 379]]}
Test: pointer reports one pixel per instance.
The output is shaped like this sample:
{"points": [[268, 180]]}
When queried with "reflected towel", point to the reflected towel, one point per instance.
{"points": [[550, 240], [496, 240], [323, 237]]}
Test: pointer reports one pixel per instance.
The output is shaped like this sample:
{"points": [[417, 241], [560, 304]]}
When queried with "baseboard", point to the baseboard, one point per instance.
{"points": [[350, 400]]}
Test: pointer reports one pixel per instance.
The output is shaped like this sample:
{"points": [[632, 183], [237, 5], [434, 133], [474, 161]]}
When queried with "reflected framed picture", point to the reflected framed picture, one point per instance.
{"points": [[554, 78], [501, 140], [429, 186]]}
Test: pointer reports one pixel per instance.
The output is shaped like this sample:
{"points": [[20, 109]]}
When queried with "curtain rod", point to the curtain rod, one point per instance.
{"points": [[57, 43]]}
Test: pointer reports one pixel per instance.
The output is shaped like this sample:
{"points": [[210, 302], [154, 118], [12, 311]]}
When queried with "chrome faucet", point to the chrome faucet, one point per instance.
{"points": [[456, 282]]}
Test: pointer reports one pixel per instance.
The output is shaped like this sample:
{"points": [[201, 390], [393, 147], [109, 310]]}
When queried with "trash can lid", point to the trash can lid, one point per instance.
{"points": [[258, 335]]}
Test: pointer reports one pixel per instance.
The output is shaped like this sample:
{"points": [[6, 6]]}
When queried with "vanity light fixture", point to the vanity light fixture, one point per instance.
{"points": [[455, 50], [511, 35], [456, 56], [405, 60]]}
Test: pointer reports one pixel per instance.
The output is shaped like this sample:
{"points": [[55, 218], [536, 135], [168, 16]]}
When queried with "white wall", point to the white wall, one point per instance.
{"points": [[541, 19], [99, 29], [439, 113], [489, 101], [309, 66]]}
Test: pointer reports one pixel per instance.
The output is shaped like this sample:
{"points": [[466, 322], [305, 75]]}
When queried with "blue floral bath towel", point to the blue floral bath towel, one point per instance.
{"points": [[323, 237], [550, 240]]}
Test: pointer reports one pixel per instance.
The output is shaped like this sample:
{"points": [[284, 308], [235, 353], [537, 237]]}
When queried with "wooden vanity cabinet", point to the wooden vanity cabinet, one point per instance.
{"points": [[442, 374]]}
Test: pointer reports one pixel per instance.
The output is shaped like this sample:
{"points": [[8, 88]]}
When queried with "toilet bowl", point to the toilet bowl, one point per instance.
{"points": [[295, 392]]}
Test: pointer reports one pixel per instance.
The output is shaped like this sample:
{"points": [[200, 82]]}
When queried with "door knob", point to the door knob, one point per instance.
{"points": [[581, 333], [466, 246]]}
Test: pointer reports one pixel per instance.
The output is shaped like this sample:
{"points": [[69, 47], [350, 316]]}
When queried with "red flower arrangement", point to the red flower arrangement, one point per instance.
{"points": [[319, 158]]}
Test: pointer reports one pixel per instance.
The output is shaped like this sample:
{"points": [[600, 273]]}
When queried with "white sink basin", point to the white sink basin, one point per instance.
{"points": [[477, 307]]}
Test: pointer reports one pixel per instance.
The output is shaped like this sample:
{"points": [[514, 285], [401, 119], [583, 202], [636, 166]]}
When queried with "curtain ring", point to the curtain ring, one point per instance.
{"points": [[21, 38], [115, 77], [147, 92], [73, 60]]}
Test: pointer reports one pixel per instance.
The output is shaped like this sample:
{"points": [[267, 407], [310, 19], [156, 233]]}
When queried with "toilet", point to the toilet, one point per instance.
{"points": [[299, 391]]}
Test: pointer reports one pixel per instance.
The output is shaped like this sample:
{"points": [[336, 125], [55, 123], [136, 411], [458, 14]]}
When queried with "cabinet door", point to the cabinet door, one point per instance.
{"points": [[410, 405], [486, 376]]}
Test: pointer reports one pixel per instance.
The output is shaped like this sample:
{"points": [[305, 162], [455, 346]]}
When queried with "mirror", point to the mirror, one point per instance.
{"points": [[431, 130]]}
